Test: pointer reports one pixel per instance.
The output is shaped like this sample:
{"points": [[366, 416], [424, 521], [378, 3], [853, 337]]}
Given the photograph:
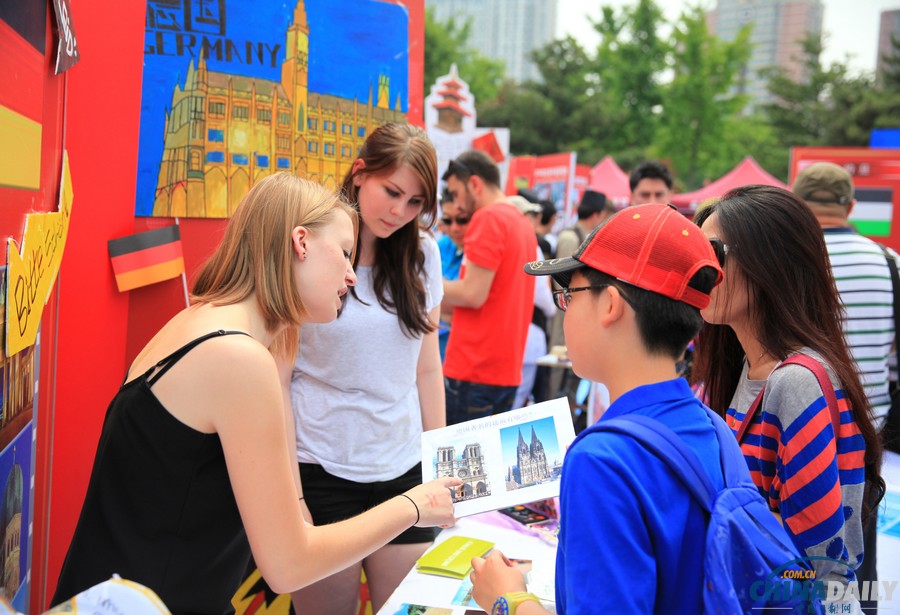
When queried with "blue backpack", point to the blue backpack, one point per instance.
{"points": [[751, 564]]}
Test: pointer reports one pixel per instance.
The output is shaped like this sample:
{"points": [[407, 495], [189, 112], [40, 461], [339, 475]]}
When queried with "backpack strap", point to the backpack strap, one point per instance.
{"points": [[824, 383], [669, 448], [748, 417], [579, 233], [895, 286], [684, 462]]}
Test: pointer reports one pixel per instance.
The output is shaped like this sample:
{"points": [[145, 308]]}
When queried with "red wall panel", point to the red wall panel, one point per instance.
{"points": [[102, 113]]}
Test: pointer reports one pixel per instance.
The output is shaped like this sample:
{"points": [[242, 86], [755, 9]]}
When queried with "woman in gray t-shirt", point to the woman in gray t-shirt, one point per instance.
{"points": [[366, 385]]}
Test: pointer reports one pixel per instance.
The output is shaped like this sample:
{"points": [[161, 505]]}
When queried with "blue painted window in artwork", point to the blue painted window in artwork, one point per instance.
{"points": [[329, 148], [262, 161], [215, 156], [283, 163], [215, 135], [361, 132], [240, 159], [312, 147]]}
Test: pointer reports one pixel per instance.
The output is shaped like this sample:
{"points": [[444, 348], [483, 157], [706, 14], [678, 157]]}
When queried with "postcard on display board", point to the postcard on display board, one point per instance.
{"points": [[503, 460]]}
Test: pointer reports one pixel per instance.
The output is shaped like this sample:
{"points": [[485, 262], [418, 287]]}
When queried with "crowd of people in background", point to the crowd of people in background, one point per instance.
{"points": [[350, 323]]}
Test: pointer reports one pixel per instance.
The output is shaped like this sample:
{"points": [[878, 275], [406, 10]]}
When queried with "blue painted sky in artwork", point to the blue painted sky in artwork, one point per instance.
{"points": [[351, 42], [546, 432]]}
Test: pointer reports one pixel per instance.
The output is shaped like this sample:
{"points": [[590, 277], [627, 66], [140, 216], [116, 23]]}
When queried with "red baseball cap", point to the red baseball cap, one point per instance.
{"points": [[649, 246]]}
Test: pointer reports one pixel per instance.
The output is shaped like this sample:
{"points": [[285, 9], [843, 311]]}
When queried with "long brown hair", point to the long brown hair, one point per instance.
{"points": [[399, 260], [778, 245]]}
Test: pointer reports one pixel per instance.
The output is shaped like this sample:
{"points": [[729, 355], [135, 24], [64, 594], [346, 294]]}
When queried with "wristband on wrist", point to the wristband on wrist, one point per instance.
{"points": [[506, 604], [403, 495]]}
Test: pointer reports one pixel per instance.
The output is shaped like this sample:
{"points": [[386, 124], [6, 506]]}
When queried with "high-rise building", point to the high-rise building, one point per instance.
{"points": [[507, 30], [779, 27], [890, 27]]}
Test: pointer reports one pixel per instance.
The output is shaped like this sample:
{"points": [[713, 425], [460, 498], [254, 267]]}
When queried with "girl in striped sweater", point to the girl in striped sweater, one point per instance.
{"points": [[779, 299]]}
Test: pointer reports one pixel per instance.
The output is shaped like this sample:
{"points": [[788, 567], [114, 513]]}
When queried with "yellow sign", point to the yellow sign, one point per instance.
{"points": [[20, 150], [32, 271]]}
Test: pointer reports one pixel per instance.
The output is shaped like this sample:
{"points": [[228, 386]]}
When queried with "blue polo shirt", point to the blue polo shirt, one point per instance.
{"points": [[451, 261], [631, 535]]}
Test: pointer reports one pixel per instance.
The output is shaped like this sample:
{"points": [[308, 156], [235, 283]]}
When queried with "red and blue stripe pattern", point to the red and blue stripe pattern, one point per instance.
{"points": [[799, 470]]}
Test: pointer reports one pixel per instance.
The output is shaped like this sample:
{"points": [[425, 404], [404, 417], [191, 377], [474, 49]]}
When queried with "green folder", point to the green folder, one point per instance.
{"points": [[453, 557]]}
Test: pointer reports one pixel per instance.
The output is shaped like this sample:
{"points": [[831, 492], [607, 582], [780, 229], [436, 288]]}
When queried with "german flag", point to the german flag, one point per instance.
{"points": [[147, 258]]}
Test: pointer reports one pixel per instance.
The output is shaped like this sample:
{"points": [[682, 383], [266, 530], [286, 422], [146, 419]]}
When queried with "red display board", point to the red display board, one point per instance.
{"points": [[91, 331], [876, 179]]}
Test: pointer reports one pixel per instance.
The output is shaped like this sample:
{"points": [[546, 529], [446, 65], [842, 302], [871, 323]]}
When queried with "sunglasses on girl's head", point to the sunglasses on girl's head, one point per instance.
{"points": [[460, 221], [721, 249]]}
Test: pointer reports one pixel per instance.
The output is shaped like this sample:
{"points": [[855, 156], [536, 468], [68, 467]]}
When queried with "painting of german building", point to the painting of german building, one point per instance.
{"points": [[224, 131]]}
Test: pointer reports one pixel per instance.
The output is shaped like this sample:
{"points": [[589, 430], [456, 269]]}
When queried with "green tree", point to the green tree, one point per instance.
{"points": [[630, 60], [448, 43], [699, 100], [800, 112], [553, 114], [529, 116], [828, 105], [888, 93]]}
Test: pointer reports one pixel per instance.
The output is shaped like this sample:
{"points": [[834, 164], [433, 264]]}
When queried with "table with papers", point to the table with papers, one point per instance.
{"points": [[448, 596]]}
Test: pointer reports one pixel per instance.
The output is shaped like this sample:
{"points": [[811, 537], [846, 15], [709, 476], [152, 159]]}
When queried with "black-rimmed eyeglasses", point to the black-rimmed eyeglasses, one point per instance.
{"points": [[563, 297]]}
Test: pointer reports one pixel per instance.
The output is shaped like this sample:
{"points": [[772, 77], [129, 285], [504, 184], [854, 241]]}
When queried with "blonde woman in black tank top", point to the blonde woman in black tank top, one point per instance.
{"points": [[196, 465]]}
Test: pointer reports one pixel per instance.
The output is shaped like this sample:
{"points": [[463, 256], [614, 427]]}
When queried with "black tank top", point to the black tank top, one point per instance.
{"points": [[159, 508]]}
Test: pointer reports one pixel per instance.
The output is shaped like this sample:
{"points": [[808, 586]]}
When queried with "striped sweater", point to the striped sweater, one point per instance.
{"points": [[790, 450], [864, 283]]}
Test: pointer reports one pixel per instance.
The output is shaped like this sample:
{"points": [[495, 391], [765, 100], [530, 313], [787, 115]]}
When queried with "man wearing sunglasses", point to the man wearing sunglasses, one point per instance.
{"points": [[493, 299]]}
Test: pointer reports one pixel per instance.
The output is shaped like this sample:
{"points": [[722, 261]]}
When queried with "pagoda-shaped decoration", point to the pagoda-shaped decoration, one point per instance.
{"points": [[451, 108]]}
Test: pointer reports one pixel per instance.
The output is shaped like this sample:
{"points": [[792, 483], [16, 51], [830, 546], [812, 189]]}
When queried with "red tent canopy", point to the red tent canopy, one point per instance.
{"points": [[608, 178], [747, 172]]}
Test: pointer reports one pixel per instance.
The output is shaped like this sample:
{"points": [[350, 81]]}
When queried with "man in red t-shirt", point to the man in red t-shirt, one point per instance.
{"points": [[493, 299]]}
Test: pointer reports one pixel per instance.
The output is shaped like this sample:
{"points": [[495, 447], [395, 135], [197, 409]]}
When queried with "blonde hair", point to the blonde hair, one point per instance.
{"points": [[256, 255]]}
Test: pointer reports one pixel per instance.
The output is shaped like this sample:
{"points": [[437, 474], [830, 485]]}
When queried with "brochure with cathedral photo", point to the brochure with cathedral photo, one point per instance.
{"points": [[503, 460]]}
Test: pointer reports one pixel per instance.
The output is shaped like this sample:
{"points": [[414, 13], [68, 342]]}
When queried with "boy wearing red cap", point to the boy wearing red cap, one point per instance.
{"points": [[631, 537]]}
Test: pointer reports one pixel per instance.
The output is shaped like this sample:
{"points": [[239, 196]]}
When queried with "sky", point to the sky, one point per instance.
{"points": [[851, 26]]}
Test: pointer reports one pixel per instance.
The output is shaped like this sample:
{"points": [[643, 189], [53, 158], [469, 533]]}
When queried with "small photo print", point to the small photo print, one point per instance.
{"points": [[418, 609], [531, 453], [465, 460]]}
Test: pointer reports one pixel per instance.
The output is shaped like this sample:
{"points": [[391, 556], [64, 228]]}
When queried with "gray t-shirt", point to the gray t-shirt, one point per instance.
{"points": [[353, 389]]}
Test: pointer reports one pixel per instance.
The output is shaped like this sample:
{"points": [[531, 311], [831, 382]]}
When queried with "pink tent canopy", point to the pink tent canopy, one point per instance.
{"points": [[747, 172], [608, 178]]}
